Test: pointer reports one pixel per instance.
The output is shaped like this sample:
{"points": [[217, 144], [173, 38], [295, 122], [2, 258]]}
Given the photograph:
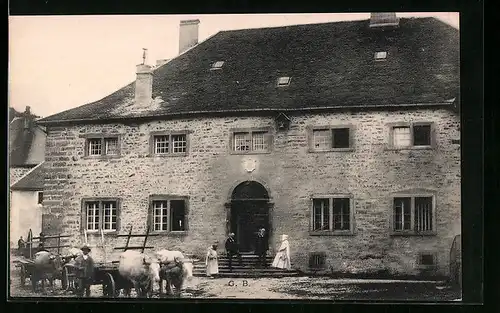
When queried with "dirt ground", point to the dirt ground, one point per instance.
{"points": [[317, 288]]}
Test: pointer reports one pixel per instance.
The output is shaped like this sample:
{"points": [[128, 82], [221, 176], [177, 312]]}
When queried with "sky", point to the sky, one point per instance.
{"points": [[60, 62]]}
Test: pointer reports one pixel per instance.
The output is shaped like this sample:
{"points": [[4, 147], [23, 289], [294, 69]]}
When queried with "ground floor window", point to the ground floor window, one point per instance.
{"points": [[332, 214], [101, 214], [413, 214], [168, 214]]}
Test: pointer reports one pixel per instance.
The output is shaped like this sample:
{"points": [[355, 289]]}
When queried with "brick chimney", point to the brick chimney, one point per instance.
{"points": [[188, 34], [27, 117], [143, 84], [383, 19]]}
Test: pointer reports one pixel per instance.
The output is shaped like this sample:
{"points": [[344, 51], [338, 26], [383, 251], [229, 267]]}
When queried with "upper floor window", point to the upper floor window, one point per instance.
{"points": [[250, 141], [168, 214], [102, 145], [406, 135], [100, 214], [332, 214], [413, 214], [329, 138], [169, 143]]}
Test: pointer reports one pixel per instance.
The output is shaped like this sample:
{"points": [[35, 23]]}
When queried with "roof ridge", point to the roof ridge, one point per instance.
{"points": [[27, 173]]}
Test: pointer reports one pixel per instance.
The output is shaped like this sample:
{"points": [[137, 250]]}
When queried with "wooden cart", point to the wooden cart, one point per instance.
{"points": [[107, 274], [26, 263]]}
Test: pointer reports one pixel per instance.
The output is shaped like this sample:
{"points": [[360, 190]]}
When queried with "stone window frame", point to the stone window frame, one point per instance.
{"points": [[330, 128], [83, 222], [168, 198], [102, 137], [268, 137], [419, 256], [411, 125], [169, 133], [412, 196], [350, 232]]}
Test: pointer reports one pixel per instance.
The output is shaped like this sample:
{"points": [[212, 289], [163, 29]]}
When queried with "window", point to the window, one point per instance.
{"points": [[101, 145], [169, 143], [426, 259], [40, 197], [380, 56], [328, 138], [100, 214], [168, 214], [217, 65], [332, 214], [284, 81], [412, 135], [250, 141], [413, 214], [317, 260]]}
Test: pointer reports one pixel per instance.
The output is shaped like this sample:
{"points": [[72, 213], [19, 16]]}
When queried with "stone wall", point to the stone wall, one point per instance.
{"points": [[208, 174]]}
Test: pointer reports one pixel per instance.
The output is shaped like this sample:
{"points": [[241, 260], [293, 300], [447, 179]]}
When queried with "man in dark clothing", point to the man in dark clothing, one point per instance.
{"points": [[261, 246], [231, 250], [86, 273], [21, 245]]}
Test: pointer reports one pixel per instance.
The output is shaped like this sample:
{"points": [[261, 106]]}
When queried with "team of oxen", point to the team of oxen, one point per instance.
{"points": [[141, 271]]}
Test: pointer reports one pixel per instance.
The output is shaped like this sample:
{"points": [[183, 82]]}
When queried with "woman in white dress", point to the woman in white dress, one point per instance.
{"points": [[282, 258], [211, 261]]}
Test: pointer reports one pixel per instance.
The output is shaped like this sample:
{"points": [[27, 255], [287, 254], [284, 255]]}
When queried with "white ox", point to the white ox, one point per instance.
{"points": [[141, 270], [175, 269]]}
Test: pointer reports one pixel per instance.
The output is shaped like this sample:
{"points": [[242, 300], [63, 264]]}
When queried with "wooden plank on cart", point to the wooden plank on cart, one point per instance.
{"points": [[128, 238], [145, 240], [134, 248], [30, 243]]}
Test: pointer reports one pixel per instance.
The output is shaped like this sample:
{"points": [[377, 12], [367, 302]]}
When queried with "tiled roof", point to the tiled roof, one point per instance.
{"points": [[33, 180], [331, 65]]}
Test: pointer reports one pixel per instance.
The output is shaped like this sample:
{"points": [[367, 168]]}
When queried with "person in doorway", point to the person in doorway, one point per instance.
{"points": [[232, 249], [282, 259], [261, 246], [86, 273], [212, 262]]}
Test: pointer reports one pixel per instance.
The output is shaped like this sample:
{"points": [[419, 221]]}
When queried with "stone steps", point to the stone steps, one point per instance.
{"points": [[249, 268]]}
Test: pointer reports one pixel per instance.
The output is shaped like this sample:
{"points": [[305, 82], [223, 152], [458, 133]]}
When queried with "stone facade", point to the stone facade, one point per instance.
{"points": [[371, 173]]}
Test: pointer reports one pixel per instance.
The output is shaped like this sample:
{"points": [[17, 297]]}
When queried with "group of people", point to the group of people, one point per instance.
{"points": [[281, 260]]}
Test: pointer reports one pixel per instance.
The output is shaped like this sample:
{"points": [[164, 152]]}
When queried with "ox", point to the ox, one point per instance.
{"points": [[140, 270], [175, 269], [46, 266]]}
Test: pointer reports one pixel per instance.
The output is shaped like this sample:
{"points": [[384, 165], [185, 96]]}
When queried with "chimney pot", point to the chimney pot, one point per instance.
{"points": [[188, 34], [383, 19], [27, 110], [143, 84]]}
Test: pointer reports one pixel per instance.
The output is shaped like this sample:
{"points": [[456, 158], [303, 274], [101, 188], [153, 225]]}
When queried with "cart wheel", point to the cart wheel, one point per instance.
{"points": [[22, 275], [64, 279], [108, 286]]}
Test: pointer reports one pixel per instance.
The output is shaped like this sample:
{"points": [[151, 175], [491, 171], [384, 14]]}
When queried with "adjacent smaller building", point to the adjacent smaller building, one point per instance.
{"points": [[26, 157]]}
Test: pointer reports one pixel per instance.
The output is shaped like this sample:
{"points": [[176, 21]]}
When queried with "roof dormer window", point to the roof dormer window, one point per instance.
{"points": [[380, 56], [217, 65], [284, 81]]}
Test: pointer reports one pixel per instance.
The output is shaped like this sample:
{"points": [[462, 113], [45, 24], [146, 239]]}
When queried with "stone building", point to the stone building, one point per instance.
{"points": [[344, 135]]}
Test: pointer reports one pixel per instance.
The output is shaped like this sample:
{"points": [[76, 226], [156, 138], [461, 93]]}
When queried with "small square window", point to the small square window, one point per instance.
{"points": [[422, 135], [217, 65], [426, 259], [284, 81], [382, 55]]}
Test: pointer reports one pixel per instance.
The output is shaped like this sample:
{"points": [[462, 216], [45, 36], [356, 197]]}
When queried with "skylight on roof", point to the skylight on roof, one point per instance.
{"points": [[382, 55], [284, 81], [217, 65]]}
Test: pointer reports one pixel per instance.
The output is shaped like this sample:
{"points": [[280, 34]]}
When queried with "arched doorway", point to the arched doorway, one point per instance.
{"points": [[249, 211]]}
